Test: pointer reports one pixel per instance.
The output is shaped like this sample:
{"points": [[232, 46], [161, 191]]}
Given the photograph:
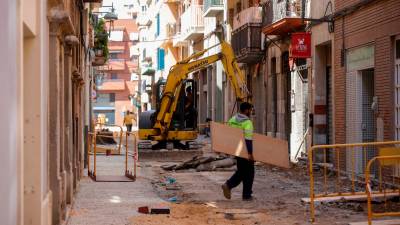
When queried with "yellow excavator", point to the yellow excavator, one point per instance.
{"points": [[175, 120]]}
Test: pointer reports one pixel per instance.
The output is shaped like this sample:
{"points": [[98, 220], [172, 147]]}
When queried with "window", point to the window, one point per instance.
{"points": [[104, 98], [112, 97], [144, 53], [114, 76], [398, 49], [160, 59], [113, 55]]}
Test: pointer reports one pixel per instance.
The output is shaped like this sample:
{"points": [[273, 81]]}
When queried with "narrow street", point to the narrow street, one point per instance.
{"points": [[199, 198], [200, 112]]}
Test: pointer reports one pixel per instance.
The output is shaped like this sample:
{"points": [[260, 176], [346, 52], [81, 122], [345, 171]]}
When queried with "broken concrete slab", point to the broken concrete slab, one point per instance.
{"points": [[379, 222], [359, 197]]}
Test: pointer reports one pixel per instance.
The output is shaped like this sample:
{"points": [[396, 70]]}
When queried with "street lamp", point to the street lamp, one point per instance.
{"points": [[109, 16]]}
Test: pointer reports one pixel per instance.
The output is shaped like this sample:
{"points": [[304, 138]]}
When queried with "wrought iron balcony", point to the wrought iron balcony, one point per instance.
{"points": [[192, 22], [282, 17], [246, 35], [246, 43], [213, 7]]}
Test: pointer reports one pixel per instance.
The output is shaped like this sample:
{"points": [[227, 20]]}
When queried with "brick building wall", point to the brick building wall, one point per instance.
{"points": [[375, 24]]}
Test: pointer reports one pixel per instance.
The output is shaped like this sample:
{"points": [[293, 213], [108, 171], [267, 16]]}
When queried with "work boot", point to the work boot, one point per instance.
{"points": [[227, 191], [248, 199]]}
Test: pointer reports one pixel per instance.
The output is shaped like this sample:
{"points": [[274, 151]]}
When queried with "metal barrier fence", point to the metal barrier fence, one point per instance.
{"points": [[107, 148], [130, 152], [341, 170], [388, 177]]}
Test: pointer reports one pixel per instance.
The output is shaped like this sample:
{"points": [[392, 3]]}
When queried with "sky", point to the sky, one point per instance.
{"points": [[119, 7]]}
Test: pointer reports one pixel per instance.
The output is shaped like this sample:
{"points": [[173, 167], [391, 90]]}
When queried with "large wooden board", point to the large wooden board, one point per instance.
{"points": [[229, 140]]}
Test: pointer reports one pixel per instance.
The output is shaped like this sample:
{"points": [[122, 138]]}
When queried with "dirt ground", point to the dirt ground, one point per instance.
{"points": [[195, 198], [277, 194]]}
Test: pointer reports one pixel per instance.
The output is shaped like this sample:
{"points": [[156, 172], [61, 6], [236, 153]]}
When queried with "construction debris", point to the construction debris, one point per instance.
{"points": [[143, 209], [160, 210], [105, 137], [209, 162]]}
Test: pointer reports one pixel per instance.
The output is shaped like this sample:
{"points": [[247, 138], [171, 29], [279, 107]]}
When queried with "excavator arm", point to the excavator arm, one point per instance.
{"points": [[180, 72]]}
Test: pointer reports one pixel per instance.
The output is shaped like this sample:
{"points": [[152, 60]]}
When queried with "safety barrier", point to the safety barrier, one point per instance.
{"points": [[131, 151], [106, 148], [344, 166], [388, 179]]}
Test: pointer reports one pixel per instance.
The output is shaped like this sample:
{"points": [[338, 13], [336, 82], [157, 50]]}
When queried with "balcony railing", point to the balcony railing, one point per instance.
{"points": [[213, 7], [246, 43], [171, 29], [143, 19], [103, 104], [287, 11], [247, 16], [192, 22], [111, 85]]}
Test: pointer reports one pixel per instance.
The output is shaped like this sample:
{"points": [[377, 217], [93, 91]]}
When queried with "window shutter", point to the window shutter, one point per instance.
{"points": [[161, 58], [158, 25]]}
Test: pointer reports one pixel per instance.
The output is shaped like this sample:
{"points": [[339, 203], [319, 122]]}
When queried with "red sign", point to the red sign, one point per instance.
{"points": [[301, 45]]}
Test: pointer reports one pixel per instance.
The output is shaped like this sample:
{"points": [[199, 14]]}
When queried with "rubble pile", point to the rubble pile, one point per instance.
{"points": [[207, 162]]}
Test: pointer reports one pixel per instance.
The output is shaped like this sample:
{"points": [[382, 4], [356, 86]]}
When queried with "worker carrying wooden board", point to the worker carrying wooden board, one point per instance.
{"points": [[245, 166]]}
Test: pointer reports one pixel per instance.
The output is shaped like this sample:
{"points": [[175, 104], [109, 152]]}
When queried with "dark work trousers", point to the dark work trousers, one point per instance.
{"points": [[129, 127], [245, 174]]}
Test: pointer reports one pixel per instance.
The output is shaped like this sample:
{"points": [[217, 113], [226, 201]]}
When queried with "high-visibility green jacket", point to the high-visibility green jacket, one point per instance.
{"points": [[243, 122]]}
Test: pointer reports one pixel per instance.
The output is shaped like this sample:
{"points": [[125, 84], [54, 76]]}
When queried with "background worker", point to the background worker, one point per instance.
{"points": [[190, 112], [245, 167], [128, 121]]}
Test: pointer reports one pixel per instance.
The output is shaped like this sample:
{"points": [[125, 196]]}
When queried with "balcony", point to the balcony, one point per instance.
{"points": [[144, 19], [192, 22], [282, 17], [172, 1], [111, 85], [251, 15], [213, 7], [102, 105], [178, 40], [246, 35], [171, 29]]}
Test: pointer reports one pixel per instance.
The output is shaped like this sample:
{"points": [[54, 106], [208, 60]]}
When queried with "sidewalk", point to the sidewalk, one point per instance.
{"points": [[107, 203]]}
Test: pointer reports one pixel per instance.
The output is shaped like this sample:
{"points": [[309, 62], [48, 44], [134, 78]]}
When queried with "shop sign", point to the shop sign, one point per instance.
{"points": [[301, 45], [360, 58]]}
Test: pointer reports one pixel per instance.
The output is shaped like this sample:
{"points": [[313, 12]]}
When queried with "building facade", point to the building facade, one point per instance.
{"points": [[117, 81], [366, 52]]}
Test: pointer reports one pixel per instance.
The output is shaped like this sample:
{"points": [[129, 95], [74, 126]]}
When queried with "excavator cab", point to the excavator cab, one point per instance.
{"points": [[185, 115], [183, 119]]}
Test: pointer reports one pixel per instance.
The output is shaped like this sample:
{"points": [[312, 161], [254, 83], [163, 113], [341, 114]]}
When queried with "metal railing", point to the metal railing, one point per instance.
{"points": [[93, 150], [275, 10], [341, 170], [388, 179], [191, 19], [212, 3], [170, 29]]}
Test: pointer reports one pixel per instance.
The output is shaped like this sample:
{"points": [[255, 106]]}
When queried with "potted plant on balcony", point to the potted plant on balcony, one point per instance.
{"points": [[100, 43]]}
